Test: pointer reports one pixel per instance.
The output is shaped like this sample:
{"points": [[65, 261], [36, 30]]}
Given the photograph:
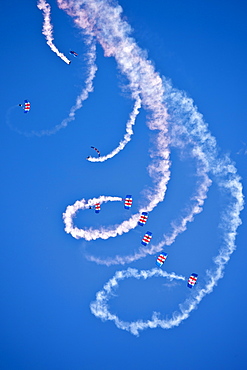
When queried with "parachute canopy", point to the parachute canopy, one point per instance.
{"points": [[26, 106], [147, 237], [161, 259], [73, 53], [96, 150], [143, 219], [97, 207], [192, 280], [128, 201]]}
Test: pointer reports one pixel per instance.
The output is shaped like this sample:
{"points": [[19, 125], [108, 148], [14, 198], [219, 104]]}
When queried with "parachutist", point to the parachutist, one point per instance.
{"points": [[97, 207], [73, 53], [192, 280], [146, 239], [143, 219], [128, 201], [161, 259], [93, 147], [26, 107]]}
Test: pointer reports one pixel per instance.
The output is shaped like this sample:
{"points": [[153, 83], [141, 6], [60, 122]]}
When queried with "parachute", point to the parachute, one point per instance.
{"points": [[26, 106], [96, 150], [192, 280], [73, 53], [147, 237], [161, 259], [97, 207], [128, 201], [143, 219]]}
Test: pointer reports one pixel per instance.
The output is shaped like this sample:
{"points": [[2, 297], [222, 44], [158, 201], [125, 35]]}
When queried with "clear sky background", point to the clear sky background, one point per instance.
{"points": [[47, 284]]}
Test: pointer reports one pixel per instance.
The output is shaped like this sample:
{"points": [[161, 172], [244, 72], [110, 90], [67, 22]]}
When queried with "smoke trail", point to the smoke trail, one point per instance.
{"points": [[143, 80], [225, 173], [100, 306], [47, 29], [104, 232], [203, 167], [92, 68], [93, 234], [183, 128], [127, 136], [167, 240], [228, 181], [131, 61], [230, 223]]}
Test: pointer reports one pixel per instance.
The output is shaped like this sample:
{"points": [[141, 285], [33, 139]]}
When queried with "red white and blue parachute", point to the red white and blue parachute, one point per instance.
{"points": [[97, 207], [128, 201], [143, 219], [192, 280], [161, 259], [96, 150], [147, 237], [73, 53], [26, 106]]}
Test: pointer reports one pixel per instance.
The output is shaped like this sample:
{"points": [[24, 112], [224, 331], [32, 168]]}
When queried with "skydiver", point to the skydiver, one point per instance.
{"points": [[73, 53]]}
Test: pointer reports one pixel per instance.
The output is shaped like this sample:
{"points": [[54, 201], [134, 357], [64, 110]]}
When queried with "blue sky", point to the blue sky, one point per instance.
{"points": [[47, 281]]}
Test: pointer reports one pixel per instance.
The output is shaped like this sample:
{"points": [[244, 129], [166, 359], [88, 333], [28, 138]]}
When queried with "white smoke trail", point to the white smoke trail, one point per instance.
{"points": [[92, 69], [144, 81], [127, 136], [93, 234], [187, 129], [91, 72], [127, 225], [230, 223], [228, 181], [178, 227], [48, 29], [203, 167], [100, 306], [132, 62]]}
